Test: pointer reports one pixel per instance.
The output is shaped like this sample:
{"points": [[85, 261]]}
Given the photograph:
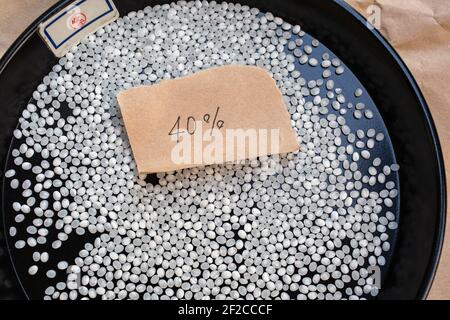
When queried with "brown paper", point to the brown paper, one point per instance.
{"points": [[238, 103]]}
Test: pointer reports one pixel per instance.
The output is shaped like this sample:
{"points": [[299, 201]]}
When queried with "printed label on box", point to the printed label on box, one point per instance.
{"points": [[75, 22]]}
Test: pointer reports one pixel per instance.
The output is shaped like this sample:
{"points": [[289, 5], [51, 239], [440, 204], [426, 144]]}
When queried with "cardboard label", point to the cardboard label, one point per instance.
{"points": [[219, 115], [78, 20]]}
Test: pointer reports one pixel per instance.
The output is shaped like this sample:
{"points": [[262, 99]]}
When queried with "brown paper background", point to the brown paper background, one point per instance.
{"points": [[418, 29]]}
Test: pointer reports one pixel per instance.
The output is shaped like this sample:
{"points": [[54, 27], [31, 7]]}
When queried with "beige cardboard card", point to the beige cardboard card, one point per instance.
{"points": [[219, 115]]}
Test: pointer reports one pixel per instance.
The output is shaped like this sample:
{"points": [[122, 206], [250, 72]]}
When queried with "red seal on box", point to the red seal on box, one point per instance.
{"points": [[77, 20]]}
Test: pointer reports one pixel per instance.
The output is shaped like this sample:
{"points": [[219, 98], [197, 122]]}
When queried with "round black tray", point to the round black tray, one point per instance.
{"points": [[382, 73]]}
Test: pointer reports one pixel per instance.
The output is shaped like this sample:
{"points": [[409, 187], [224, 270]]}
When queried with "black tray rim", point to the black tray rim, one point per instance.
{"points": [[442, 214], [433, 264]]}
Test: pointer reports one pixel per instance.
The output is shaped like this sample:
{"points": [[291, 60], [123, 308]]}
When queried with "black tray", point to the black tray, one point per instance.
{"points": [[382, 73]]}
